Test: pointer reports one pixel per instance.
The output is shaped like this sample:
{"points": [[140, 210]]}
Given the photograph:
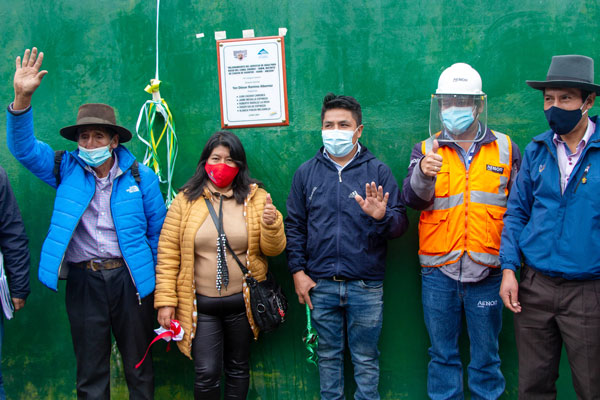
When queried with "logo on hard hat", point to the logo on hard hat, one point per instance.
{"points": [[459, 79]]}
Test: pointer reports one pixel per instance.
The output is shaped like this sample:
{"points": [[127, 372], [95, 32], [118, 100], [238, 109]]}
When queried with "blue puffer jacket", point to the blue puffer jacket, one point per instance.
{"points": [[556, 234], [138, 210], [327, 232]]}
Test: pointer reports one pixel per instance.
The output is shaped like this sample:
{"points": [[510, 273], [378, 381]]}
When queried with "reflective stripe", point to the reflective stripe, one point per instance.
{"points": [[428, 145], [485, 258], [503, 148], [494, 199], [444, 203], [431, 261], [503, 184]]}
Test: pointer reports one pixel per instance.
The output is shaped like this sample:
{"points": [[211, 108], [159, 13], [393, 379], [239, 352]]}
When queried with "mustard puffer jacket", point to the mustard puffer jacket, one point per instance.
{"points": [[175, 267]]}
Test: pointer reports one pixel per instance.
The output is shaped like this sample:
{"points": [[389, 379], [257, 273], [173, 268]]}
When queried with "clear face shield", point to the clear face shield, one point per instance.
{"points": [[458, 117]]}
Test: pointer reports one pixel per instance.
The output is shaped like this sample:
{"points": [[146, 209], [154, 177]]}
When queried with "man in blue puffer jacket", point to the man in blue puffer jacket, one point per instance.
{"points": [[103, 234], [551, 230], [337, 229]]}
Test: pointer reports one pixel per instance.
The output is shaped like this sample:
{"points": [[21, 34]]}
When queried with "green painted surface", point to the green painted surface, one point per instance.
{"points": [[386, 53]]}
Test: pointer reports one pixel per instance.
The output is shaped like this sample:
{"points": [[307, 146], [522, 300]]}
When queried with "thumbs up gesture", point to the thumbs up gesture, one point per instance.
{"points": [[269, 212], [432, 162]]}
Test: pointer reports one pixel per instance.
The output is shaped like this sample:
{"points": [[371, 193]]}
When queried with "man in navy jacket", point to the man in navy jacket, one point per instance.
{"points": [[337, 228], [103, 234], [551, 230], [13, 245]]}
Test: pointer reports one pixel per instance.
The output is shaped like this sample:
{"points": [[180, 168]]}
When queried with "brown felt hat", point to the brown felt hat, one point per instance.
{"points": [[96, 114], [572, 71]]}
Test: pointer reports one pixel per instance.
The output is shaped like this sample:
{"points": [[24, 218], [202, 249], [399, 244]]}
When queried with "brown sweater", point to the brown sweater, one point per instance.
{"points": [[175, 267], [205, 248]]}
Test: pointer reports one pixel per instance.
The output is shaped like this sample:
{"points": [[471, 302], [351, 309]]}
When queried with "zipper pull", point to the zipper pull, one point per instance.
{"points": [[139, 298], [583, 177], [340, 175]]}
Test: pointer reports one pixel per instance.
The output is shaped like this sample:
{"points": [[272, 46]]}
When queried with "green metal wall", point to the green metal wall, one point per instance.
{"points": [[386, 53]]}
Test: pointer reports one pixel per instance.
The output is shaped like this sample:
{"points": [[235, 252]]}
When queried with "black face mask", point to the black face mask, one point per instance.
{"points": [[562, 121]]}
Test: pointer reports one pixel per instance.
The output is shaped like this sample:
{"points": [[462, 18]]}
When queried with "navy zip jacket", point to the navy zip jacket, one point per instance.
{"points": [[13, 241], [328, 234]]}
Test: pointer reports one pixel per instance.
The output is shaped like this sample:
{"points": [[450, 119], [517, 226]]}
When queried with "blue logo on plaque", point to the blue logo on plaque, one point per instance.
{"points": [[263, 53]]}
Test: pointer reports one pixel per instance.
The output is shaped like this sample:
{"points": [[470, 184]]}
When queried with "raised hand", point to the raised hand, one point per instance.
{"points": [[27, 77], [432, 162], [375, 201], [269, 212]]}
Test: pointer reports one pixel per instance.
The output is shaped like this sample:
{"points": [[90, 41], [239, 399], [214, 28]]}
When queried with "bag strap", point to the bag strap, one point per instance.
{"points": [[219, 225], [58, 155], [135, 172]]}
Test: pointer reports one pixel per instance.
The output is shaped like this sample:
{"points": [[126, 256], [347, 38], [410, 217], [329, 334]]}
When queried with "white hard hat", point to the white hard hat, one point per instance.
{"points": [[460, 78]]}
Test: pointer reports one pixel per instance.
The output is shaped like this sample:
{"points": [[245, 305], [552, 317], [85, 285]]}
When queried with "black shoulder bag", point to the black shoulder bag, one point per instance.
{"points": [[267, 301]]}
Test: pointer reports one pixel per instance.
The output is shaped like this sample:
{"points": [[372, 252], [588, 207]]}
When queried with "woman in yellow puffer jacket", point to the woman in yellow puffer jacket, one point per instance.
{"points": [[198, 282]]}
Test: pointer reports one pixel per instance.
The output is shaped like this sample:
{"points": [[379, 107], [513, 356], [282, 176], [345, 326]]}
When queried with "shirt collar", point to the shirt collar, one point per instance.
{"points": [[445, 135], [588, 134], [326, 155], [112, 174]]}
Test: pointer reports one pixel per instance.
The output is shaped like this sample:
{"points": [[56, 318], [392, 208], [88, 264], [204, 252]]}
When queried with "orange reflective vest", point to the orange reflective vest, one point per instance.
{"points": [[467, 211]]}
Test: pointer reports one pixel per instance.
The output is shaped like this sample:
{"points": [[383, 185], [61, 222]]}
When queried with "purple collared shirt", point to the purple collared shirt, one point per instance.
{"points": [[568, 160], [95, 236]]}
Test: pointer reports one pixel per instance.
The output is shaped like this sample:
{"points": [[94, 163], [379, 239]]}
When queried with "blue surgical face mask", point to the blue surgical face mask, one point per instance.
{"points": [[457, 119], [338, 142], [562, 121], [95, 157]]}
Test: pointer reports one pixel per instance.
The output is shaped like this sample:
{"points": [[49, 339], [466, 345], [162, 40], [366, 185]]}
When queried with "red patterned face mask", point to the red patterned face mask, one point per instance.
{"points": [[221, 174]]}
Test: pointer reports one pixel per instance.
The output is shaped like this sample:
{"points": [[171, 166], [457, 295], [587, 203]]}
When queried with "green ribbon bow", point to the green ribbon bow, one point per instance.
{"points": [[310, 339]]}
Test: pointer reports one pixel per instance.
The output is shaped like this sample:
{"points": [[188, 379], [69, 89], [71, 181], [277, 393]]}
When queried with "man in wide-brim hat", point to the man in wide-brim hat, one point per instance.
{"points": [[551, 230], [103, 234]]}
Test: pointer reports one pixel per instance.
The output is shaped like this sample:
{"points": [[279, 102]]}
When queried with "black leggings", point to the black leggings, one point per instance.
{"points": [[222, 341]]}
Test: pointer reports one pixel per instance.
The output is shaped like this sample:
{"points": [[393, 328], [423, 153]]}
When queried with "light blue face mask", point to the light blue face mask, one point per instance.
{"points": [[95, 157], [338, 142], [457, 119]]}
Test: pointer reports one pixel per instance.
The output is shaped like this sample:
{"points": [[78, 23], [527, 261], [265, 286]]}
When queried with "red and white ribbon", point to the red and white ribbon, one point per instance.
{"points": [[175, 333]]}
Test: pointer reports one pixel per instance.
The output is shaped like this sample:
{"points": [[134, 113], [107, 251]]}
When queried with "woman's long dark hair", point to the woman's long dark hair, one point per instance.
{"points": [[194, 187]]}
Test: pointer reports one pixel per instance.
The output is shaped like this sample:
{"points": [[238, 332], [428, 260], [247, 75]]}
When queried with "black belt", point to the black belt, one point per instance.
{"points": [[97, 265], [339, 278]]}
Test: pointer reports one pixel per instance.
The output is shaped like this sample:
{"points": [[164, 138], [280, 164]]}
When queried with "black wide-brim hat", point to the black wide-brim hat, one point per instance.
{"points": [[96, 115], [569, 72]]}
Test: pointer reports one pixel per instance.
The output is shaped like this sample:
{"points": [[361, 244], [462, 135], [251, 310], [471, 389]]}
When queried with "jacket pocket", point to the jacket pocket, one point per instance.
{"points": [[433, 231], [370, 285], [494, 227], [442, 182], [596, 286]]}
